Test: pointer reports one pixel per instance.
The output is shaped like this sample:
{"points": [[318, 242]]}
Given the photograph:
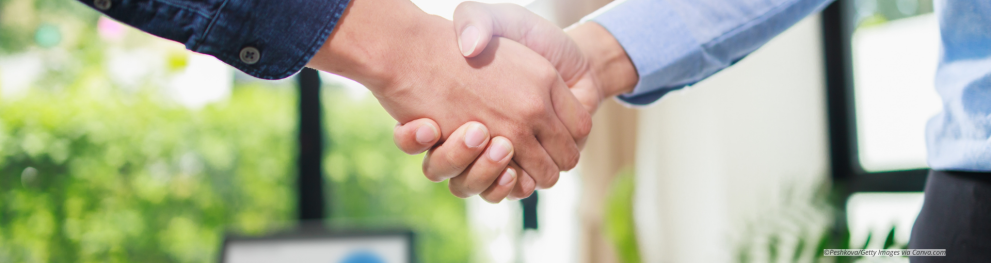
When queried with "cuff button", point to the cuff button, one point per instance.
{"points": [[102, 4], [249, 55]]}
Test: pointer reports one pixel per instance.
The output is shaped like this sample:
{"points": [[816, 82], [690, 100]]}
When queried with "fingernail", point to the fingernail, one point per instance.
{"points": [[507, 176], [469, 40], [499, 149], [475, 135], [425, 134]]}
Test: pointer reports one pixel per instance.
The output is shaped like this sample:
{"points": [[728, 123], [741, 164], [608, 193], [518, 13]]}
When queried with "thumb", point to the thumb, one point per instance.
{"points": [[476, 23], [473, 24], [416, 136]]}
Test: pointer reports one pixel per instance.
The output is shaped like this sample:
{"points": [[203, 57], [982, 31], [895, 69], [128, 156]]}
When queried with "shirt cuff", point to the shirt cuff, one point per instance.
{"points": [[656, 39], [269, 39]]}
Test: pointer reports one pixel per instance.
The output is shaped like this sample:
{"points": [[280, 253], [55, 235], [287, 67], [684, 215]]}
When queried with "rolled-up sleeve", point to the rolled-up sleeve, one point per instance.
{"points": [[269, 39], [675, 43]]}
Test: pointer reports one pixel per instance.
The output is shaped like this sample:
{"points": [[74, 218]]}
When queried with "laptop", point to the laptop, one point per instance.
{"points": [[317, 245]]}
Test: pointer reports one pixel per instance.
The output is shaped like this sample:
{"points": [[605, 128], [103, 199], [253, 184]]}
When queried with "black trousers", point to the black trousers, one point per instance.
{"points": [[956, 216]]}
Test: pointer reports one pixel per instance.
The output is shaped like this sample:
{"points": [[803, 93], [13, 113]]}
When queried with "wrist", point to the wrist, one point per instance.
{"points": [[607, 58], [369, 42]]}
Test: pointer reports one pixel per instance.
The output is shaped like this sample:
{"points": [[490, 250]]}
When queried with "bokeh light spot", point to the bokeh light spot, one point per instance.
{"points": [[47, 36]]}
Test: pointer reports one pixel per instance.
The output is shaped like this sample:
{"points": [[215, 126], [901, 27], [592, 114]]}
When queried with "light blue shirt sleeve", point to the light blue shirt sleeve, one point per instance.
{"points": [[675, 43]]}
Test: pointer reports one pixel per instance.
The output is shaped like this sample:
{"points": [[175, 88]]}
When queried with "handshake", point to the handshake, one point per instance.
{"points": [[500, 98]]}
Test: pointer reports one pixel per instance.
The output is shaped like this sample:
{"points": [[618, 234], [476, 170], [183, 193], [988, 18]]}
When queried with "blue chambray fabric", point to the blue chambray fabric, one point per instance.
{"points": [[286, 32], [959, 137], [675, 43]]}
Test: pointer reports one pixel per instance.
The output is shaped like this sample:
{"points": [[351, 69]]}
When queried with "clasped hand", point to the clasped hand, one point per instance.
{"points": [[477, 23], [502, 104]]}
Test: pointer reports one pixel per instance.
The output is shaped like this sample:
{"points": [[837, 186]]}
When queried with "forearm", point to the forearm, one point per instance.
{"points": [[409, 60], [374, 45]]}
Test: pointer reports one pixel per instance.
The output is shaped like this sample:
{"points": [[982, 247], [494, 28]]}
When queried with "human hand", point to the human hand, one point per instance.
{"points": [[589, 59], [491, 168], [508, 87], [596, 69]]}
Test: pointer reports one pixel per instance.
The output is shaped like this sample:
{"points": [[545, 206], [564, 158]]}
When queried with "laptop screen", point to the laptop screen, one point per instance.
{"points": [[379, 248]]}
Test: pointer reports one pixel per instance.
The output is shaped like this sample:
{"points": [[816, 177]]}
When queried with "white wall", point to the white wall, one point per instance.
{"points": [[711, 156]]}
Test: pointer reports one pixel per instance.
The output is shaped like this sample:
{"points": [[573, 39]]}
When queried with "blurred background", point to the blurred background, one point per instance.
{"points": [[117, 146]]}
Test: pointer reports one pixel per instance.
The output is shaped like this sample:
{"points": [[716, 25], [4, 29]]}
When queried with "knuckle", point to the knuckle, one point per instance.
{"points": [[571, 161], [545, 71], [526, 188], [475, 184], [547, 74], [438, 170], [426, 168], [548, 179], [534, 109], [518, 133], [551, 180], [584, 125], [453, 161], [526, 185], [467, 184]]}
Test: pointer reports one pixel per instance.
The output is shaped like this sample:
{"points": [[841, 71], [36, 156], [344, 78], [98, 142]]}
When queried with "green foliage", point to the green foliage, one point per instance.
{"points": [[128, 179], [21, 21], [619, 223], [804, 218], [786, 233], [91, 172], [374, 185]]}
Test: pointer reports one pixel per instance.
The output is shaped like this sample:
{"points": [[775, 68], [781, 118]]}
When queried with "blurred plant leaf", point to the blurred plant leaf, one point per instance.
{"points": [[889, 242], [619, 223], [868, 241], [799, 250]]}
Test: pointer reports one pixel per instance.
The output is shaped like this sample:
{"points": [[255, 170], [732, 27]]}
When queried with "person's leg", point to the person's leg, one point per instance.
{"points": [[955, 216]]}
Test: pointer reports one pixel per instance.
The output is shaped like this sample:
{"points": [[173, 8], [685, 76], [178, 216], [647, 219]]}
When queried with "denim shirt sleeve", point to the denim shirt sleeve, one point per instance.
{"points": [[675, 43], [269, 39]]}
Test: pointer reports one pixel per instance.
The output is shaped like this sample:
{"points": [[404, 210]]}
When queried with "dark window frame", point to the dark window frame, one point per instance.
{"points": [[311, 200], [848, 175]]}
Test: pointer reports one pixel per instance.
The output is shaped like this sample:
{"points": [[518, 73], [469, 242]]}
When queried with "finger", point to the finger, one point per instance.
{"points": [[558, 144], [552, 133], [457, 153], [486, 170], [501, 189], [587, 92], [476, 23], [572, 114], [473, 24], [524, 184], [518, 24], [535, 161], [416, 136]]}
